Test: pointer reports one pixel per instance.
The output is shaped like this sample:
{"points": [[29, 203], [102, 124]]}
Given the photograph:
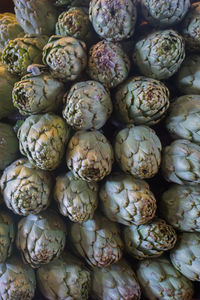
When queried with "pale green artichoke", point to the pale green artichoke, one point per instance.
{"points": [[138, 151], [7, 235], [88, 105], [42, 139]]}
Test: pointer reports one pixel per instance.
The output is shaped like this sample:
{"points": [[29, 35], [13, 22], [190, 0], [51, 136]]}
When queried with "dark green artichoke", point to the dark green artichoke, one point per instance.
{"points": [[7, 235]]}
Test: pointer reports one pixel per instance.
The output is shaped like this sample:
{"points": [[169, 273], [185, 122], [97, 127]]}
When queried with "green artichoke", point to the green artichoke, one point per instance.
{"points": [[108, 63], [159, 54], [42, 139], [186, 255], [89, 155], [9, 146], [117, 282], [64, 278], [72, 2], [17, 280], [7, 235], [127, 200], [41, 238], [22, 52], [138, 151], [87, 105], [36, 16], [160, 280], [76, 198], [65, 56], [113, 20], [141, 100], [181, 162], [38, 93], [98, 241]]}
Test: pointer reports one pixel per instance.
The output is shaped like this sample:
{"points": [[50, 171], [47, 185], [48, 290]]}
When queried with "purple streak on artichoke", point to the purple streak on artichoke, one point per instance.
{"points": [[7, 235]]}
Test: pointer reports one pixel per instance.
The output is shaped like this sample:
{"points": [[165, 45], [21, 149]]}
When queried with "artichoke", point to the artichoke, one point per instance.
{"points": [[36, 16], [22, 52], [117, 282], [181, 162], [42, 139], [186, 255], [64, 278], [138, 151], [87, 105], [159, 54], [41, 238], [17, 280], [76, 198], [141, 100], [9, 148], [72, 2], [37, 93], [113, 20], [160, 280], [65, 56], [108, 63], [89, 155], [98, 241], [180, 206], [7, 235], [127, 200]]}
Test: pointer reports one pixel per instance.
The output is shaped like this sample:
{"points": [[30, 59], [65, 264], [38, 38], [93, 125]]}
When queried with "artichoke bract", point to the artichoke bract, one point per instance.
{"points": [[113, 20], [22, 52], [9, 146], [180, 206], [160, 280], [17, 280], [108, 63], [65, 56], [64, 278], [42, 138], [37, 93], [26, 189], [186, 255], [88, 105], [41, 238], [181, 162], [159, 54], [36, 16], [89, 155], [141, 100], [183, 120], [76, 198], [138, 151], [98, 241], [117, 281], [7, 235], [127, 200]]}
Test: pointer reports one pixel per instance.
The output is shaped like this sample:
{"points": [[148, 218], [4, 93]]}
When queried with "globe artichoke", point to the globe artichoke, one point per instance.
{"points": [[186, 255], [7, 235], [38, 93], [141, 100], [127, 200], [97, 241], [108, 64], [36, 16], [181, 162], [76, 198], [159, 54], [64, 278], [87, 105], [138, 151], [42, 139], [41, 238], [117, 282], [22, 52], [9, 150], [66, 57], [113, 20], [17, 280], [184, 118], [160, 280], [89, 155]]}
